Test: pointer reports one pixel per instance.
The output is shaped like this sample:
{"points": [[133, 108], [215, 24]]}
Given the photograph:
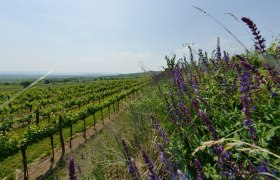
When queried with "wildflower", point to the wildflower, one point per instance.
{"points": [[161, 132], [248, 123], [150, 165], [263, 167], [218, 53], [195, 104], [206, 120], [199, 170], [244, 81], [214, 65], [71, 169], [259, 43], [174, 104], [226, 56], [132, 169], [164, 159]]}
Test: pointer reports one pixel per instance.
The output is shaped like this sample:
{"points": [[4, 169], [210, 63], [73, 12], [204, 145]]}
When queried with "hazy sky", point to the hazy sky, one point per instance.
{"points": [[119, 35]]}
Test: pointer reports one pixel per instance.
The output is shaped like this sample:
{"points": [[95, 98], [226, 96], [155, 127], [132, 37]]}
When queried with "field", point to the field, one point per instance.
{"points": [[47, 115]]}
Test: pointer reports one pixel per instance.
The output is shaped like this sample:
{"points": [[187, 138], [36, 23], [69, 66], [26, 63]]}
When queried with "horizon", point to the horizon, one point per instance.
{"points": [[122, 37]]}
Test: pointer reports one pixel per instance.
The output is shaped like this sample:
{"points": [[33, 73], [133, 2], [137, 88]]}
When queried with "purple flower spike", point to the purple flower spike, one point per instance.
{"points": [[199, 170], [132, 169], [263, 167], [248, 122], [150, 165], [244, 81], [259, 43], [226, 56], [195, 104], [206, 120], [71, 169], [162, 133], [218, 53]]}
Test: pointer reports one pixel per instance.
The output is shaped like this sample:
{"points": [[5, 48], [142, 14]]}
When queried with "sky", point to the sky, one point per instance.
{"points": [[121, 36]]}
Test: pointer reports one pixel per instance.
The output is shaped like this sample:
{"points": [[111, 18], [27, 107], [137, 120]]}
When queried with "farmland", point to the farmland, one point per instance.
{"points": [[39, 120]]}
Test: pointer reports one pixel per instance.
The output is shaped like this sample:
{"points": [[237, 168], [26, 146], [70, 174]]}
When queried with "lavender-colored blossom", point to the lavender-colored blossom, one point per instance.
{"points": [[186, 112], [165, 159], [206, 120], [199, 170], [132, 169], [214, 65], [218, 53], [71, 169], [263, 167], [244, 81], [248, 122], [163, 155], [181, 82], [157, 126], [150, 165], [174, 105], [226, 56], [259, 41], [195, 104]]}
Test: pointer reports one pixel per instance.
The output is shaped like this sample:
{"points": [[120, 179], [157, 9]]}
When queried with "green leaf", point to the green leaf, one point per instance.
{"points": [[269, 134]]}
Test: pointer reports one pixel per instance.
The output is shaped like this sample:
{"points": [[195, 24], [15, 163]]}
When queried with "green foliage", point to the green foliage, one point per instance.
{"points": [[25, 84]]}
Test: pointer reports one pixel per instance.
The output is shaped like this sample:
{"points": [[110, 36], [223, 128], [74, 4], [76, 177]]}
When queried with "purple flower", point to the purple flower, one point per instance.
{"points": [[161, 132], [206, 120], [150, 165], [132, 169], [248, 122], [259, 43], [263, 167], [186, 112], [244, 81], [226, 56], [195, 104], [180, 80], [218, 53], [214, 65], [165, 159], [71, 169], [174, 105], [199, 170]]}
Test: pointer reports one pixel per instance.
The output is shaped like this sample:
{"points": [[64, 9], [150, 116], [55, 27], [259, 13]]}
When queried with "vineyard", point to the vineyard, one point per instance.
{"points": [[43, 113]]}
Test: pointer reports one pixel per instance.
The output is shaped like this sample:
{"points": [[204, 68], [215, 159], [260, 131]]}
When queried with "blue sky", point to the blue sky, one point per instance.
{"points": [[117, 36]]}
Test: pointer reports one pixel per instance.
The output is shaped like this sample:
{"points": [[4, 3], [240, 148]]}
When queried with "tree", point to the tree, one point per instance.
{"points": [[25, 83]]}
